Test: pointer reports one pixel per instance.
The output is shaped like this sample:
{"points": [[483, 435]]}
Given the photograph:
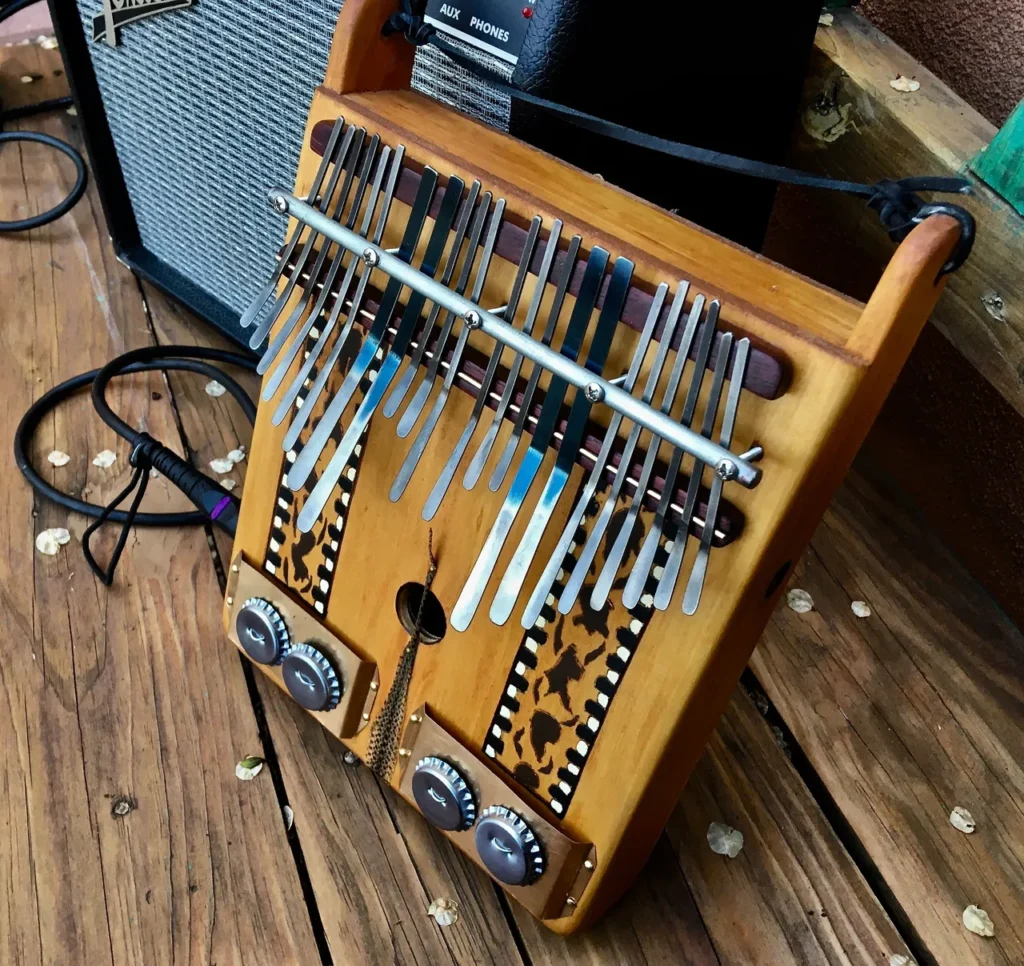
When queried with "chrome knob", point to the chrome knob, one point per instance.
{"points": [[262, 632], [508, 847], [311, 679], [443, 795]]}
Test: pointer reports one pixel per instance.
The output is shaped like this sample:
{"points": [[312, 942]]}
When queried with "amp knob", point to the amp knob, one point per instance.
{"points": [[508, 847], [262, 631], [311, 679], [443, 796]]}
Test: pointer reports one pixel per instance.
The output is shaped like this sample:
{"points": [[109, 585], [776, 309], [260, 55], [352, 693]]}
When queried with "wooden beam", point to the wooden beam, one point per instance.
{"points": [[854, 125], [1001, 164]]}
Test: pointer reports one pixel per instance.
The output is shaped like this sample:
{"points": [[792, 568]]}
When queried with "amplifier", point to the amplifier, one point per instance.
{"points": [[191, 110]]}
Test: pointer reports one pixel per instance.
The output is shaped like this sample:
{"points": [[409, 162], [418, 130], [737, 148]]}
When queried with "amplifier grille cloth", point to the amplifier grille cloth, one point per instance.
{"points": [[207, 107]]}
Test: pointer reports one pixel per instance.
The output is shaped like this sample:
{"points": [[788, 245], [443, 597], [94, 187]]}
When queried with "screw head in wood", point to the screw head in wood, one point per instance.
{"points": [[588, 864], [726, 469], [230, 601]]}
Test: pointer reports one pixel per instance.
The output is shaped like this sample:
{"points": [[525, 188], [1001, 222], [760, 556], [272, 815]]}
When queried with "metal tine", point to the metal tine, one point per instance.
{"points": [[605, 579], [479, 460], [285, 331], [670, 572], [445, 479], [307, 458], [286, 356], [589, 551], [321, 493], [267, 322], [316, 315], [615, 300], [261, 299], [691, 599], [645, 558], [412, 458], [415, 407], [402, 386], [292, 393], [572, 342], [498, 476]]}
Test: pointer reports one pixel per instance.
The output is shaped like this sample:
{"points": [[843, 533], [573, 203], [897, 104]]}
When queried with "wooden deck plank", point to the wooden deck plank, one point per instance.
{"points": [[908, 713], [116, 692], [793, 893], [962, 390], [751, 910], [854, 126], [373, 864]]}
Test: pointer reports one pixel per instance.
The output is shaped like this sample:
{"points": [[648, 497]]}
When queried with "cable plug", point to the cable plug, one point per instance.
{"points": [[219, 506]]}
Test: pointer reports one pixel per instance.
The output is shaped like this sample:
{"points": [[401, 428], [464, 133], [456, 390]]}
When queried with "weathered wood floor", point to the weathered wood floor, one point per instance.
{"points": [[839, 758]]}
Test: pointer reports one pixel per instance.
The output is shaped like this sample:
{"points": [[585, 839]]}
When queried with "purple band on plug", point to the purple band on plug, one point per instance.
{"points": [[219, 508]]}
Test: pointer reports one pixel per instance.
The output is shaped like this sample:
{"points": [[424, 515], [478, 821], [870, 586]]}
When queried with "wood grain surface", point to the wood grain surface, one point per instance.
{"points": [[854, 126], [907, 714], [115, 695]]}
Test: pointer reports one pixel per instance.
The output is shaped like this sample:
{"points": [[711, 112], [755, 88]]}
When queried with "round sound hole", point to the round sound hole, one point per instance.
{"points": [[433, 624]]}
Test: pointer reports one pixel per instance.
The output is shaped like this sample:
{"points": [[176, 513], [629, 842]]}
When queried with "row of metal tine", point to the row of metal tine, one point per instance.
{"points": [[359, 176]]}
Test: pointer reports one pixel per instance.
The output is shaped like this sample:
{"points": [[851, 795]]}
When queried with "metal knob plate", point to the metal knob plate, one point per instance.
{"points": [[262, 632], [311, 679], [508, 847], [443, 795]]}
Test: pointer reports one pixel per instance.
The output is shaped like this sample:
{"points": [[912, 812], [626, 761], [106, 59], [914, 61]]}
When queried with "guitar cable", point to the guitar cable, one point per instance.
{"points": [[214, 504], [48, 140]]}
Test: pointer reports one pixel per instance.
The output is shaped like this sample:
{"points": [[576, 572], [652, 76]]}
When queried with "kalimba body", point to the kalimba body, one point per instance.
{"points": [[554, 752]]}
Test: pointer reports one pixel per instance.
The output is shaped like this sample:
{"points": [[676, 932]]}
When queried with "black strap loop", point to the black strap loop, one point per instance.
{"points": [[896, 202], [139, 481]]}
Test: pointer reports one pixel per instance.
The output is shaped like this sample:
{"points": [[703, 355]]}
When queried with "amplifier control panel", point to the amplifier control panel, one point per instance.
{"points": [[495, 26]]}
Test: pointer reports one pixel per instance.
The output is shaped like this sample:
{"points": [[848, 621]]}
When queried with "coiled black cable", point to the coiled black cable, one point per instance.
{"points": [[73, 196], [81, 171], [213, 502]]}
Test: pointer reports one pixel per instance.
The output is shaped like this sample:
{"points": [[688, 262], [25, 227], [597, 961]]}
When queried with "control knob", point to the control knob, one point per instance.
{"points": [[508, 847], [443, 795], [311, 679], [262, 632]]}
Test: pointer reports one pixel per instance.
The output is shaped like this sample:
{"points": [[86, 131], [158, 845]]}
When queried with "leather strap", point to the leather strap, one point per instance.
{"points": [[895, 201]]}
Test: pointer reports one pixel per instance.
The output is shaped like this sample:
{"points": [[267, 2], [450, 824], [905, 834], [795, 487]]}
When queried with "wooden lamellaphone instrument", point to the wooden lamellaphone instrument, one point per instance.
{"points": [[532, 462]]}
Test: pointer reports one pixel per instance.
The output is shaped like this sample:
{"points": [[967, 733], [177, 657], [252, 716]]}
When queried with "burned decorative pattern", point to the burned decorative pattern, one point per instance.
{"points": [[564, 676], [307, 562]]}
